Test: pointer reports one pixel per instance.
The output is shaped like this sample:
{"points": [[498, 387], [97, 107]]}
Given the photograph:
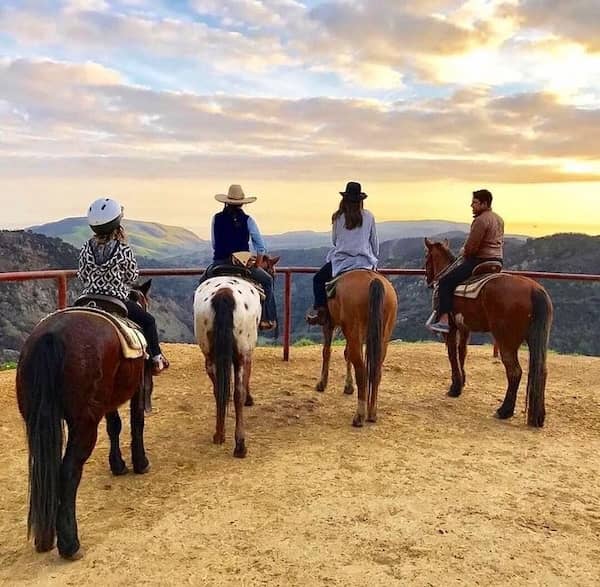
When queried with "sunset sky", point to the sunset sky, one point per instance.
{"points": [[161, 104]]}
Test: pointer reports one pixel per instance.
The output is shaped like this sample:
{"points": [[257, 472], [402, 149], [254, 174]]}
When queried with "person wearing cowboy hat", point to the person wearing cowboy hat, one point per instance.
{"points": [[355, 246], [232, 231]]}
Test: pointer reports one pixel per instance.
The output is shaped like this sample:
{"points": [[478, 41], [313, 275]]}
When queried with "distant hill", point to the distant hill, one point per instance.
{"points": [[149, 239], [181, 247]]}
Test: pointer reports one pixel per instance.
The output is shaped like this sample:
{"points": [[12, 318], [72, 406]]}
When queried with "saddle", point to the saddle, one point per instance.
{"points": [[238, 267], [331, 286], [133, 342], [109, 304], [482, 274]]}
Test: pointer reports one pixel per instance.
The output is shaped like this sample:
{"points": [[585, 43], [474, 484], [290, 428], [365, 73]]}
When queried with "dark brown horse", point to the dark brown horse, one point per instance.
{"points": [[72, 370], [514, 310], [364, 307]]}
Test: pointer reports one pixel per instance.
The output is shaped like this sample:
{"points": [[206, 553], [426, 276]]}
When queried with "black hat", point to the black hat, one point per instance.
{"points": [[353, 192]]}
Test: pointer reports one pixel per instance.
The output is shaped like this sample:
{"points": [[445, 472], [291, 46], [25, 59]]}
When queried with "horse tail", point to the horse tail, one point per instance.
{"points": [[537, 339], [223, 348], [374, 335], [42, 376]]}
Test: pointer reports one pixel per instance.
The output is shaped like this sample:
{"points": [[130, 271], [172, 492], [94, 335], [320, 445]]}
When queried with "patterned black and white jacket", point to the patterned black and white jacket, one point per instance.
{"points": [[108, 269]]}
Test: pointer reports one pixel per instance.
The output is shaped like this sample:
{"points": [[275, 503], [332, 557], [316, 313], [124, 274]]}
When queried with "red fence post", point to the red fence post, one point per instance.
{"points": [[61, 282], [287, 320]]}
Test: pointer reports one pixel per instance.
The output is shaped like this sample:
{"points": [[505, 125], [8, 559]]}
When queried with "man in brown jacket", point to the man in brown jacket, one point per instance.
{"points": [[485, 243]]}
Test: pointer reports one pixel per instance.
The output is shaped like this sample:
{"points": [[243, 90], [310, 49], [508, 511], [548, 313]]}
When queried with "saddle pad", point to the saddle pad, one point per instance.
{"points": [[472, 288], [331, 286], [133, 342]]}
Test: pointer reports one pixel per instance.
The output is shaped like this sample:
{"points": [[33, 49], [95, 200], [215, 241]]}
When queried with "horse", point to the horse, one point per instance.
{"points": [[72, 370], [514, 310], [364, 307], [227, 311]]}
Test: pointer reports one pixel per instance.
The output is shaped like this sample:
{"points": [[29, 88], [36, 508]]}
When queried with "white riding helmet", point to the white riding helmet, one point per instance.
{"points": [[104, 215]]}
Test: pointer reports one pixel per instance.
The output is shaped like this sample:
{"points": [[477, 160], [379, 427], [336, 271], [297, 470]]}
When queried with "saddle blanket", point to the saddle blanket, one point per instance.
{"points": [[472, 288], [133, 342]]}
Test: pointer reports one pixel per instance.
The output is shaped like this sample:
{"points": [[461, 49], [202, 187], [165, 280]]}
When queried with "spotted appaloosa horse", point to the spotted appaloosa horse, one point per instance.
{"points": [[514, 309], [227, 311], [72, 369]]}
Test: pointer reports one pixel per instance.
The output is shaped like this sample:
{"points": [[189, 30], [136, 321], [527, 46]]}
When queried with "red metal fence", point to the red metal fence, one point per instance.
{"points": [[61, 277]]}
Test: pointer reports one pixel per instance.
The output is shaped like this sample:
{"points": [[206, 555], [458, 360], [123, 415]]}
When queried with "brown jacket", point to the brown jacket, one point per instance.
{"points": [[486, 240]]}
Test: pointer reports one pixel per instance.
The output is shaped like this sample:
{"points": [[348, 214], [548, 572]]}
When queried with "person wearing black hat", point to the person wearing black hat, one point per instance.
{"points": [[355, 246], [484, 243]]}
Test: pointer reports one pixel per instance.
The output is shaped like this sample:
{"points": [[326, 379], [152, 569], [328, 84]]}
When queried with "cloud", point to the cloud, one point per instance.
{"points": [[81, 119]]}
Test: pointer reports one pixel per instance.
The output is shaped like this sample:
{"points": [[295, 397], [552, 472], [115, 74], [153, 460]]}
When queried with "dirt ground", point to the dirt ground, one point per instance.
{"points": [[438, 492]]}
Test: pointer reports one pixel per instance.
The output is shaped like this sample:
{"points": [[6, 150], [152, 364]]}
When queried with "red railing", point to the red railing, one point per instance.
{"points": [[61, 277]]}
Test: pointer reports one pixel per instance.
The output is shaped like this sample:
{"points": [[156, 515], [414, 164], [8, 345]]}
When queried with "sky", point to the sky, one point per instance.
{"points": [[161, 104]]}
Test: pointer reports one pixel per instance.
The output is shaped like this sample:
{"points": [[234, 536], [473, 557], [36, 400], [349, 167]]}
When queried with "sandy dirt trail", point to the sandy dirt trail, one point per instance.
{"points": [[438, 492]]}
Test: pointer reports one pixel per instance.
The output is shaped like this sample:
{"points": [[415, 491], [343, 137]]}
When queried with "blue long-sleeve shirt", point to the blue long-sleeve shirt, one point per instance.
{"points": [[258, 243]]}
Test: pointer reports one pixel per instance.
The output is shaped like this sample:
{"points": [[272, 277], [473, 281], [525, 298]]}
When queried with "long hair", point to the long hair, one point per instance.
{"points": [[352, 212], [118, 234]]}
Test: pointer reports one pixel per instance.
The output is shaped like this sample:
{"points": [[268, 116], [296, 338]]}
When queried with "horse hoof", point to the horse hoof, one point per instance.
{"points": [[239, 452], [120, 472], [45, 545], [76, 556], [358, 421], [372, 419], [249, 401], [502, 415], [453, 392], [348, 390], [320, 387], [142, 470]]}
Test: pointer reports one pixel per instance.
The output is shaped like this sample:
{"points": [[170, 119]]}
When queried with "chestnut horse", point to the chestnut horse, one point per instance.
{"points": [[514, 310], [72, 369], [364, 307], [227, 311]]}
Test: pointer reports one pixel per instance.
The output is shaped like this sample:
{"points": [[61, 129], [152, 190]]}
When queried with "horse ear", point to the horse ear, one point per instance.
{"points": [[275, 260], [446, 243], [145, 287], [428, 243]]}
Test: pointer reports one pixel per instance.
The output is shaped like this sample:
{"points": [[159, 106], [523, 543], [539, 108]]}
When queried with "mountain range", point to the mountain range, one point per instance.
{"points": [[577, 305]]}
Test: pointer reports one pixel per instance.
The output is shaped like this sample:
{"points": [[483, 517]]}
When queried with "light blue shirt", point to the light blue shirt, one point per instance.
{"points": [[258, 243], [354, 249]]}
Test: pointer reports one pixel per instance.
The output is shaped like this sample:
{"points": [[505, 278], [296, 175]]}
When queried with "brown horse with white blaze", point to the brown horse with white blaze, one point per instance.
{"points": [[364, 307], [514, 310]]}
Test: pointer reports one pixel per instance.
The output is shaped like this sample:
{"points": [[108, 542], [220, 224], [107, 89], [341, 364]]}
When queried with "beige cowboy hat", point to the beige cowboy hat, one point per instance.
{"points": [[235, 195]]}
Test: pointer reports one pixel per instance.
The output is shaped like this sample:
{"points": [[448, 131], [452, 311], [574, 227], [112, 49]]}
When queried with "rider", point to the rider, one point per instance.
{"points": [[355, 246], [484, 243], [232, 230], [107, 266]]}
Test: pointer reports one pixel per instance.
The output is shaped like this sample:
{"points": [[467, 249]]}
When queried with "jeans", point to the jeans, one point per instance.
{"points": [[148, 325], [321, 277], [448, 283]]}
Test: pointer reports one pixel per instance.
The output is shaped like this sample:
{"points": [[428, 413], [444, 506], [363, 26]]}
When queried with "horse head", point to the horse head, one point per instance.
{"points": [[438, 257], [268, 263], [139, 294]]}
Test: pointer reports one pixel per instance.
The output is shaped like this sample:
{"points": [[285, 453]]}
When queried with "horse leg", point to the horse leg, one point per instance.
{"points": [[82, 439], [372, 409], [510, 359], [115, 459], [327, 338], [349, 386], [218, 436], [354, 347], [138, 452], [457, 377], [463, 346], [247, 372], [239, 396]]}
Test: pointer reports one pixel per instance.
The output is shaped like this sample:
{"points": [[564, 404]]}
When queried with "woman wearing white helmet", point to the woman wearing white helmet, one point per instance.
{"points": [[107, 266]]}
